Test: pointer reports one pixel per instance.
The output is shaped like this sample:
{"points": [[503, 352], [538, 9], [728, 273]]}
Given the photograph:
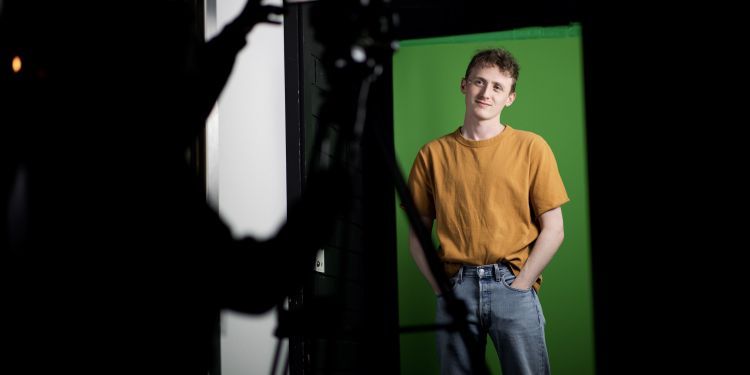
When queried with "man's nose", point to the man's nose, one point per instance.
{"points": [[483, 92]]}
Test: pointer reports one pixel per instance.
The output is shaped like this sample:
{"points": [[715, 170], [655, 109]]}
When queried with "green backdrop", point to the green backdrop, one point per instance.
{"points": [[428, 103]]}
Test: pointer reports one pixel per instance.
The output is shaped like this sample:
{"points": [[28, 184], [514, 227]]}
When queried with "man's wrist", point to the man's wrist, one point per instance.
{"points": [[519, 283]]}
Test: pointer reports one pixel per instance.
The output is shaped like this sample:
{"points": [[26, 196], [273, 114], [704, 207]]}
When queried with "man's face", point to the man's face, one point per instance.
{"points": [[487, 92]]}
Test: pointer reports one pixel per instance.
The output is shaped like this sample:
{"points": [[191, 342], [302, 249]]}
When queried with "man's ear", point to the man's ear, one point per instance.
{"points": [[463, 85], [511, 99]]}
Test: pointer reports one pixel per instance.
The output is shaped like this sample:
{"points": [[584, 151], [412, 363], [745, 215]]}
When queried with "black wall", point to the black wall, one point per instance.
{"points": [[352, 304]]}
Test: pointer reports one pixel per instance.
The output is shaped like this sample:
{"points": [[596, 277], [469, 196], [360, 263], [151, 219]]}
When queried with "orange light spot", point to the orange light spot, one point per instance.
{"points": [[16, 64]]}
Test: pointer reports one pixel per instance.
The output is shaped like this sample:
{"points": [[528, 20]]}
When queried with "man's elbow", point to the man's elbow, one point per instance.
{"points": [[556, 232], [560, 235]]}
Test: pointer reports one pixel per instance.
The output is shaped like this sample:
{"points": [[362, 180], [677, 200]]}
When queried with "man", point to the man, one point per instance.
{"points": [[495, 193]]}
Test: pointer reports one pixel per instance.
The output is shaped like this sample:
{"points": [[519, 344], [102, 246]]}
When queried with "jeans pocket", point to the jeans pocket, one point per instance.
{"points": [[453, 282], [507, 280]]}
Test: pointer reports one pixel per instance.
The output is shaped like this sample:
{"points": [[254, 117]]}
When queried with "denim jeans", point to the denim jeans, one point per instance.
{"points": [[512, 317]]}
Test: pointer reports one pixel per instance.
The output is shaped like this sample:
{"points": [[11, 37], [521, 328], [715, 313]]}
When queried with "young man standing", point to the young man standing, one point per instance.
{"points": [[495, 193]]}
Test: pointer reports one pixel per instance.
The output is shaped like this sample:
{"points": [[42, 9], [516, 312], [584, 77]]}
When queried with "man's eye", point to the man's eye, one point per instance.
{"points": [[479, 83]]}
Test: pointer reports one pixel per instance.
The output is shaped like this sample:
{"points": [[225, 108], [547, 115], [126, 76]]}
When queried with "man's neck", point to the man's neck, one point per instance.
{"points": [[481, 131]]}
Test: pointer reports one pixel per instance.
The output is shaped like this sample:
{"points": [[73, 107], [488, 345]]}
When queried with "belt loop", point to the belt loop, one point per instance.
{"points": [[497, 271], [461, 274]]}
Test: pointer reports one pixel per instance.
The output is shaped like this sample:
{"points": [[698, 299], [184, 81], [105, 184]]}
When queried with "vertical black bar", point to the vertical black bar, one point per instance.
{"points": [[293, 102], [294, 147], [214, 367], [196, 153], [603, 335], [197, 160], [380, 254]]}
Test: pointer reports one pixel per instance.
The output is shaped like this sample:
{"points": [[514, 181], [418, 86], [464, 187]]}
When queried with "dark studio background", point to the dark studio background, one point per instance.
{"points": [[660, 180]]}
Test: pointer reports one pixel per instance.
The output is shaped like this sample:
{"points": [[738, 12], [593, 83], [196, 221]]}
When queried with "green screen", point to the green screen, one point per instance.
{"points": [[428, 103]]}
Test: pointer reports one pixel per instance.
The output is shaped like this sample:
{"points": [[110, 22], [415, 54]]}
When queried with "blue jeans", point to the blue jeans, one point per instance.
{"points": [[513, 318]]}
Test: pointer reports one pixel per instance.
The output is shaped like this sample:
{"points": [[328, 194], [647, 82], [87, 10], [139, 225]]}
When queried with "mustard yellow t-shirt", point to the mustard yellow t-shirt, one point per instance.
{"points": [[486, 195]]}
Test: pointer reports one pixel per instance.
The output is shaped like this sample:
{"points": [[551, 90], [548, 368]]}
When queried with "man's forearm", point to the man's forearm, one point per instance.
{"points": [[419, 258], [546, 245]]}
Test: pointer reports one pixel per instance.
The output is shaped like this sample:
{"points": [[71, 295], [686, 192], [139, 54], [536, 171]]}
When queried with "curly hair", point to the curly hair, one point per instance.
{"points": [[498, 57]]}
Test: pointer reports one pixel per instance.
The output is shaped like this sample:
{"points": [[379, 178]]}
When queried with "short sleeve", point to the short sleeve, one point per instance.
{"points": [[547, 190], [421, 185]]}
